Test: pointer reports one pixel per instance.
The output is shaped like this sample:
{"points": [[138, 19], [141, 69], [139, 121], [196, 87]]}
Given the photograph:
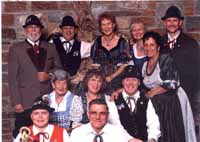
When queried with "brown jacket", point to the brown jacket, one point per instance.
{"points": [[22, 74]]}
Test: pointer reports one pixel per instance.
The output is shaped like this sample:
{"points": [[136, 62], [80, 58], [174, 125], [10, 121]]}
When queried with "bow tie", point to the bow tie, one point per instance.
{"points": [[98, 137], [67, 46], [43, 134], [129, 100]]}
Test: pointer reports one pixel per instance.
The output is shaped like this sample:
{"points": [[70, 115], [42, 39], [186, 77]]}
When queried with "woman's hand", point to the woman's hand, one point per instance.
{"points": [[115, 94], [150, 94], [155, 91]]}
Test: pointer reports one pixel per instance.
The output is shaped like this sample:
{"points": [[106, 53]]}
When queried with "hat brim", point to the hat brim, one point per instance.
{"points": [[41, 26], [76, 26], [165, 17], [49, 109]]}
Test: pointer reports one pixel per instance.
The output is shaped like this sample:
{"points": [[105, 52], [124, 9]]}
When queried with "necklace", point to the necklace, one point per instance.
{"points": [[108, 41]]}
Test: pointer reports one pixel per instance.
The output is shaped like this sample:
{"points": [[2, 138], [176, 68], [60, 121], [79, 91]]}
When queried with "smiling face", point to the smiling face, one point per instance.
{"points": [[68, 32], [172, 24], [151, 48], [40, 118], [94, 84], [98, 116], [130, 85], [107, 27], [137, 31], [60, 87], [33, 32]]}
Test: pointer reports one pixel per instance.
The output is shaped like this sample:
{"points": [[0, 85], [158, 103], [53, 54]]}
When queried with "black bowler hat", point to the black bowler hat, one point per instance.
{"points": [[41, 103], [32, 20], [173, 11], [131, 71], [68, 21]]}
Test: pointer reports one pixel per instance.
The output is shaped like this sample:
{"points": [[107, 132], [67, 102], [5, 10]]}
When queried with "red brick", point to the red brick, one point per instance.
{"points": [[44, 6], [7, 137], [8, 33], [188, 11], [149, 12], [5, 91], [6, 128], [15, 6], [8, 19], [4, 57], [66, 6]]}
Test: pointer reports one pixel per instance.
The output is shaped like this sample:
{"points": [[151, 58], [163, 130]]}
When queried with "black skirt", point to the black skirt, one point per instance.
{"points": [[168, 108]]}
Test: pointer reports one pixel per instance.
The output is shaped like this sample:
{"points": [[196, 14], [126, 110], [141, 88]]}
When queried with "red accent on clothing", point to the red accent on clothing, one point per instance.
{"points": [[56, 136]]}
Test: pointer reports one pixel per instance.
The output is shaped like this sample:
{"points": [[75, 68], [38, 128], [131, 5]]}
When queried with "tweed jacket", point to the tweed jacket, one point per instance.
{"points": [[22, 73]]}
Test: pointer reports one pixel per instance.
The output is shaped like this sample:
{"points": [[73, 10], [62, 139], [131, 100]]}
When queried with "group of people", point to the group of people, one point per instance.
{"points": [[134, 92]]}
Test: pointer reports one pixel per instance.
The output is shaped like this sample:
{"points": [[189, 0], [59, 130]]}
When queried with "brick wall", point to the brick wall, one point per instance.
{"points": [[85, 13]]}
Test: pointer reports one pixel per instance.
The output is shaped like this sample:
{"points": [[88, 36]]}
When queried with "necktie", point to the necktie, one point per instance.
{"points": [[40, 135], [172, 43], [129, 100], [98, 137], [36, 49], [67, 46]]}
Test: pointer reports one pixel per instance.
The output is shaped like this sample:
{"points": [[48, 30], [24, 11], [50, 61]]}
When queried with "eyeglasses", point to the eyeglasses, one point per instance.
{"points": [[94, 113]]}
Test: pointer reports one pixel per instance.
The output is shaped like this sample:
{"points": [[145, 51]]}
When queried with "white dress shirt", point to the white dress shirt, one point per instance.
{"points": [[49, 129], [33, 43], [110, 133], [153, 124], [170, 38], [62, 105], [77, 111]]}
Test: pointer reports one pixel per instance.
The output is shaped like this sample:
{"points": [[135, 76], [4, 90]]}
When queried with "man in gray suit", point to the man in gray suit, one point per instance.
{"points": [[30, 63]]}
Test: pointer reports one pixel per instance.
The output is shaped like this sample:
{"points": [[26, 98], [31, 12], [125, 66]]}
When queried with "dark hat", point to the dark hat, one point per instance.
{"points": [[32, 20], [173, 11], [68, 21], [41, 103], [59, 74], [131, 71]]}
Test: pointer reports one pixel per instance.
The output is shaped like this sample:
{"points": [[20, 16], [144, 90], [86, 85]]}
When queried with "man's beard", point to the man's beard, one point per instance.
{"points": [[33, 36]]}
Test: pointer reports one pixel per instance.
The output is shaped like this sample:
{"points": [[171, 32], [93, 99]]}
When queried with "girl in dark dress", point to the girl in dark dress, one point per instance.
{"points": [[110, 51], [162, 80]]}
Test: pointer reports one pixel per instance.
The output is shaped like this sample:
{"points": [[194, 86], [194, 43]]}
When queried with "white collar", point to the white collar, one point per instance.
{"points": [[47, 129], [91, 130], [33, 43], [174, 37], [135, 96], [63, 40]]}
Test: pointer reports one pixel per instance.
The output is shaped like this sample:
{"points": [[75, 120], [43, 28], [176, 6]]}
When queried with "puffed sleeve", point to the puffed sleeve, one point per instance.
{"points": [[168, 72], [124, 55]]}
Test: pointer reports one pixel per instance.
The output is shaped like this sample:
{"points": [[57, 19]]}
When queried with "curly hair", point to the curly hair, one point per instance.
{"points": [[108, 16], [97, 73], [156, 36]]}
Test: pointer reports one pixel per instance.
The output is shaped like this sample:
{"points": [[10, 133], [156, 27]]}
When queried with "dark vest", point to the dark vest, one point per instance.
{"points": [[72, 60], [135, 124]]}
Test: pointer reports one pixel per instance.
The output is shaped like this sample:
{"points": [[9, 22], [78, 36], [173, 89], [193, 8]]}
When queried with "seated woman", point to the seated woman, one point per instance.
{"points": [[61, 99], [94, 85], [137, 49], [162, 80], [110, 51], [41, 130]]}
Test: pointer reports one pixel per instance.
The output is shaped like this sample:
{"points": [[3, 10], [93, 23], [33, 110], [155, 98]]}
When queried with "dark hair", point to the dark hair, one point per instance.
{"points": [[156, 36], [97, 73], [98, 102], [108, 16]]}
